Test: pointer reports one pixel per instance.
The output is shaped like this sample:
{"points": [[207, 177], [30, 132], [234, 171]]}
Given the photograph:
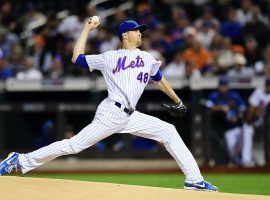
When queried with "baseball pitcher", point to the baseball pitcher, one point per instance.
{"points": [[126, 72]]}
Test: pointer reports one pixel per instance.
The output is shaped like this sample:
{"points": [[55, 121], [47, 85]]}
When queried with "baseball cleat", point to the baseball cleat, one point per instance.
{"points": [[9, 164], [200, 186]]}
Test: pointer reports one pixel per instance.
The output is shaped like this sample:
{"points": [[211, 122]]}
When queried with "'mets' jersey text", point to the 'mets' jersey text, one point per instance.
{"points": [[126, 73]]}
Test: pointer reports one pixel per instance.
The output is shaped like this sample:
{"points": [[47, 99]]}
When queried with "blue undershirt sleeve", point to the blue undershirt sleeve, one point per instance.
{"points": [[81, 61], [158, 76]]}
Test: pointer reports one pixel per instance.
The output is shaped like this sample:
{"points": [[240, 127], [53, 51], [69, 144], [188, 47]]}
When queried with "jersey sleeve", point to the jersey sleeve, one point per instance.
{"points": [[155, 67], [96, 62], [254, 98]]}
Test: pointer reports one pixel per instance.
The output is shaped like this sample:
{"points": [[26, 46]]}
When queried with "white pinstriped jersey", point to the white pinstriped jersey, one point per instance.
{"points": [[126, 73], [259, 99]]}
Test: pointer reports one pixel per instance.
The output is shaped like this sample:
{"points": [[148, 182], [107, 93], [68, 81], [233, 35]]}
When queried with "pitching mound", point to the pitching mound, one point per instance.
{"points": [[12, 188]]}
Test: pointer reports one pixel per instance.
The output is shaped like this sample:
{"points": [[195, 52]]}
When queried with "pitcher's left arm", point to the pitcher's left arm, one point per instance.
{"points": [[178, 109]]}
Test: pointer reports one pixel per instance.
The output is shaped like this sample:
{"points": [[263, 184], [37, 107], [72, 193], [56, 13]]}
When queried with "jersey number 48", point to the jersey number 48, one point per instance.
{"points": [[143, 77]]}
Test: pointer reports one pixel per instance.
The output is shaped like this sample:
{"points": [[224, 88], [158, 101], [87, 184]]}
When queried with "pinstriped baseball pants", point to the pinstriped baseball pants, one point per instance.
{"points": [[110, 119]]}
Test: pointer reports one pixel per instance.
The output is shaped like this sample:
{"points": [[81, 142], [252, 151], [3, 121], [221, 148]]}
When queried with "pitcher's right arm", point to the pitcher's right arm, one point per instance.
{"points": [[79, 48]]}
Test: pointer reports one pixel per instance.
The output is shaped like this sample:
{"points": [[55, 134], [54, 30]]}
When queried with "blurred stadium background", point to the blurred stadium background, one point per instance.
{"points": [[44, 97]]}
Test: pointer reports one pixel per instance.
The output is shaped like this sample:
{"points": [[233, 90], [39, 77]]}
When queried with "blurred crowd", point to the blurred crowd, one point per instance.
{"points": [[191, 37]]}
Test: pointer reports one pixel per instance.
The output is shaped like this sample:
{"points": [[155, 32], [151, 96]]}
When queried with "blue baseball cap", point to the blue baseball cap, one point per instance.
{"points": [[129, 25], [223, 81]]}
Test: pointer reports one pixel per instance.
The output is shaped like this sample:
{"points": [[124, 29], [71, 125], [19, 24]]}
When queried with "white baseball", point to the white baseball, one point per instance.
{"points": [[95, 19]]}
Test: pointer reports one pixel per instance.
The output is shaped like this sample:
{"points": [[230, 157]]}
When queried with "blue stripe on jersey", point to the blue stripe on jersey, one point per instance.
{"points": [[158, 76], [81, 61]]}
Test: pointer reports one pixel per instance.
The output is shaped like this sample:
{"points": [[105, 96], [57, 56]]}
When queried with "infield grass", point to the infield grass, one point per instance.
{"points": [[232, 183]]}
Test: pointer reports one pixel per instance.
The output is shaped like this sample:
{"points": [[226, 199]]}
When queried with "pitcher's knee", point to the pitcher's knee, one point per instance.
{"points": [[170, 133]]}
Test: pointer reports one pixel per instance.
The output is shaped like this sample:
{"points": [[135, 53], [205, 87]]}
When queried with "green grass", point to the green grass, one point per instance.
{"points": [[232, 183]]}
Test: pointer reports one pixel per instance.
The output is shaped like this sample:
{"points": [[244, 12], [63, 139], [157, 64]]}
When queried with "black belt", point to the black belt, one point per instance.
{"points": [[126, 110]]}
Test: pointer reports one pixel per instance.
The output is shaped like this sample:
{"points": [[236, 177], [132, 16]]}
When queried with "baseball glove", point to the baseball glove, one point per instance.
{"points": [[177, 110]]}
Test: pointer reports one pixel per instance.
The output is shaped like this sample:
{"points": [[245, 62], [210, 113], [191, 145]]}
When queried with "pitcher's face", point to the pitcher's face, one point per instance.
{"points": [[134, 37]]}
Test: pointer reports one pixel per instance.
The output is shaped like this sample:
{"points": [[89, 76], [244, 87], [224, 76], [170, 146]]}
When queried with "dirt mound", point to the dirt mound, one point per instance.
{"points": [[21, 188]]}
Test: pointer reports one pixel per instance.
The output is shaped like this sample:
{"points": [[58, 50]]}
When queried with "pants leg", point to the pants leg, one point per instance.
{"points": [[153, 128], [248, 132], [232, 137], [88, 136]]}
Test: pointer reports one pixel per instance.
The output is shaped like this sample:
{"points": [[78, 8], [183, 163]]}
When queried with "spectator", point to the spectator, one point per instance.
{"points": [[149, 18], [266, 55], [69, 68], [229, 107], [41, 57], [16, 58], [217, 43], [29, 72], [146, 46], [176, 68], [57, 70], [244, 13], [238, 48], [224, 57], [231, 28], [191, 71], [267, 70], [207, 18], [252, 53], [53, 41], [258, 102], [8, 17], [5, 69], [206, 34], [263, 64], [110, 41], [240, 70], [257, 28], [7, 40], [72, 26], [180, 22], [200, 56], [190, 34], [160, 43]]}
